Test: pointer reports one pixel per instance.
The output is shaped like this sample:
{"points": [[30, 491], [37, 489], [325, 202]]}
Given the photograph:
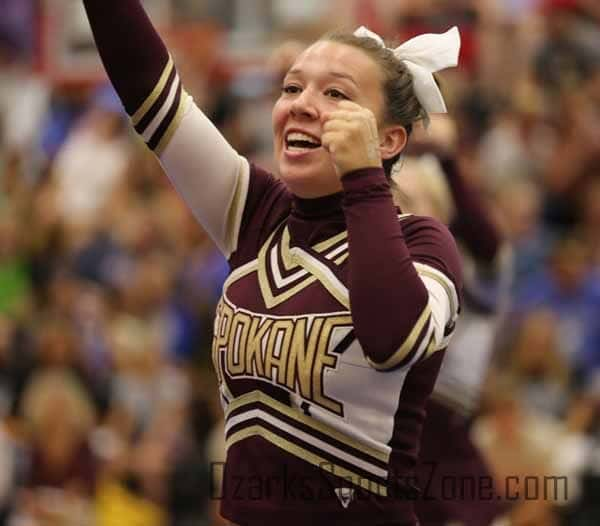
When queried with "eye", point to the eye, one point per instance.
{"points": [[290, 88], [336, 94]]}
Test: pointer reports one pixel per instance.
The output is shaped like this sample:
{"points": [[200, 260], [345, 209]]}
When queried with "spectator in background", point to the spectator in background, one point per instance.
{"points": [[62, 472], [537, 365], [588, 227], [9, 453], [15, 282], [570, 53], [8, 470], [574, 160], [518, 443], [16, 28], [144, 384], [520, 210], [97, 147], [570, 289]]}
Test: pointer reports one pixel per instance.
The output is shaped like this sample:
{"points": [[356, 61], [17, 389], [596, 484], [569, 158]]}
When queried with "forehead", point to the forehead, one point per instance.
{"points": [[327, 58]]}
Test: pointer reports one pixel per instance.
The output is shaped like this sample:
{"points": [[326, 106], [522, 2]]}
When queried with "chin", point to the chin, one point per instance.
{"points": [[309, 181]]}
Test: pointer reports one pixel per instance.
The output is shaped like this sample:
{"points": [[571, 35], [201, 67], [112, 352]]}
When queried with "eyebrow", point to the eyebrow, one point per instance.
{"points": [[337, 74]]}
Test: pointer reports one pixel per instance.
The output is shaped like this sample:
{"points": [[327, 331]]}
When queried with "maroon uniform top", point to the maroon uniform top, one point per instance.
{"points": [[315, 430], [332, 324]]}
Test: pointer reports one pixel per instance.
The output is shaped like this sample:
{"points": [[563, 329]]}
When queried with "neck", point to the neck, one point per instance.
{"points": [[317, 207], [316, 219]]}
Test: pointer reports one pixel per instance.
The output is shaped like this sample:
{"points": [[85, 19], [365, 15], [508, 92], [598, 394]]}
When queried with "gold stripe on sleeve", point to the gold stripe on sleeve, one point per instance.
{"points": [[408, 344], [166, 138], [447, 285], [236, 209], [148, 103]]}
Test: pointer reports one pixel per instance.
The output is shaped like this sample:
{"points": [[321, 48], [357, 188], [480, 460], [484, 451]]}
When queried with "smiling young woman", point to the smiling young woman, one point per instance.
{"points": [[338, 309], [315, 100]]}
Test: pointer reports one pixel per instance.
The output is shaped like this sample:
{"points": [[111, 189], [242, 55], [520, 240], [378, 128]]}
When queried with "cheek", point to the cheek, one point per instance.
{"points": [[278, 116]]}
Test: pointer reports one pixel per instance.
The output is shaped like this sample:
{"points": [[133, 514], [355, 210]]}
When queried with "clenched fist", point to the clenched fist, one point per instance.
{"points": [[350, 136]]}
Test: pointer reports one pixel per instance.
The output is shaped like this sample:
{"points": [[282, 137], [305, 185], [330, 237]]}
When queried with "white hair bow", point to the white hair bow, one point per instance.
{"points": [[424, 55]]}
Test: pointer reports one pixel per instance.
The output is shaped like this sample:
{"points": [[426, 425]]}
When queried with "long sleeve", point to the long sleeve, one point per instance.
{"points": [[472, 224], [206, 171], [132, 52], [404, 276]]}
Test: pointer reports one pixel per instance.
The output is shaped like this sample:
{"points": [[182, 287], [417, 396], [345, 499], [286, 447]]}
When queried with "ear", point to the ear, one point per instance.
{"points": [[393, 139]]}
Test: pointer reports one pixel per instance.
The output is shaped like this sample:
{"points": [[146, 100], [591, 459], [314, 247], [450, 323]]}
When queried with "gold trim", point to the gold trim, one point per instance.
{"points": [[408, 344], [431, 348], [334, 286], [286, 256], [151, 99], [272, 300], [239, 273], [228, 392], [259, 396], [436, 275], [328, 243], [236, 209], [294, 449], [300, 259], [342, 258], [336, 253], [183, 105]]}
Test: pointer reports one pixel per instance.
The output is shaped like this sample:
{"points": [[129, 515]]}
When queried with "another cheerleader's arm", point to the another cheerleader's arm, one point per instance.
{"points": [[206, 171], [473, 223], [404, 275]]}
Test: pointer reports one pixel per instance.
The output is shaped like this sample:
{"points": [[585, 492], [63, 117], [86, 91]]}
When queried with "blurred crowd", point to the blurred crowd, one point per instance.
{"points": [[108, 407]]}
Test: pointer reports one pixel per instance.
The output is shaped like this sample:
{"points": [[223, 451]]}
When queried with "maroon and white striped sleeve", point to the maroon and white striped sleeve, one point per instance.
{"points": [[404, 275], [207, 172]]}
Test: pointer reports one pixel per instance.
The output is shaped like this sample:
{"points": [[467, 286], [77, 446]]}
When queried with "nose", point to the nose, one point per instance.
{"points": [[304, 105]]}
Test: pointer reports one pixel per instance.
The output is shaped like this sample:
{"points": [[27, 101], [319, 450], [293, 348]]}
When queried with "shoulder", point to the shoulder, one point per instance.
{"points": [[431, 243], [268, 202]]}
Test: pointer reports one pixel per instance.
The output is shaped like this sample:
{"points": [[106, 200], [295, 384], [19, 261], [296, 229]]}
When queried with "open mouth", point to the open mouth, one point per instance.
{"points": [[300, 142]]}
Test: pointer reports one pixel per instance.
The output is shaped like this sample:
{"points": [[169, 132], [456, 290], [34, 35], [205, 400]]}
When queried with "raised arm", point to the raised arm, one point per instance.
{"points": [[206, 171], [472, 224]]}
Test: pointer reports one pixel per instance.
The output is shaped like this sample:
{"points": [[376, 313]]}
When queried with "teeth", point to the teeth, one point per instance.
{"points": [[297, 136], [298, 149]]}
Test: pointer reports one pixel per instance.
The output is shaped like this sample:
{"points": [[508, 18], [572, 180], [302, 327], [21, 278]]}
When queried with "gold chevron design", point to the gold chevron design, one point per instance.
{"points": [[271, 298], [297, 449], [308, 268], [296, 258]]}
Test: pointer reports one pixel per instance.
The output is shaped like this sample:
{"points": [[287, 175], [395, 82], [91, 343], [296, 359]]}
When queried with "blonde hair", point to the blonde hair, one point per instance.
{"points": [[422, 188], [52, 388]]}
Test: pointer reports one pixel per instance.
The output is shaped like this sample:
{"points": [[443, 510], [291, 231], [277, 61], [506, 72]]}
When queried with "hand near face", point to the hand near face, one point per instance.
{"points": [[350, 136]]}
